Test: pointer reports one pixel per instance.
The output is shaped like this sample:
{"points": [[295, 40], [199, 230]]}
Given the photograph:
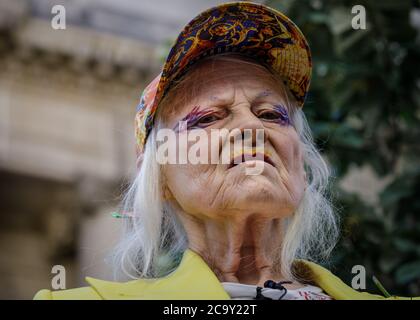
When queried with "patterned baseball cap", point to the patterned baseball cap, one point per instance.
{"points": [[246, 28]]}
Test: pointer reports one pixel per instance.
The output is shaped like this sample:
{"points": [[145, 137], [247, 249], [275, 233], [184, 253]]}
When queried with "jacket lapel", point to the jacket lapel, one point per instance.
{"points": [[192, 280], [330, 283]]}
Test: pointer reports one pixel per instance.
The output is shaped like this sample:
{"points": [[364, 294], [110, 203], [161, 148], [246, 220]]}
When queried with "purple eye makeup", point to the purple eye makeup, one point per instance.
{"points": [[283, 118], [277, 114], [197, 119]]}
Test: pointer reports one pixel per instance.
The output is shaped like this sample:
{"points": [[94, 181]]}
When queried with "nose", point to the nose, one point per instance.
{"points": [[249, 127]]}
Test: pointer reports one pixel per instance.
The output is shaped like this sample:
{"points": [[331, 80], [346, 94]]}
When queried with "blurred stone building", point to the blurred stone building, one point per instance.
{"points": [[67, 102]]}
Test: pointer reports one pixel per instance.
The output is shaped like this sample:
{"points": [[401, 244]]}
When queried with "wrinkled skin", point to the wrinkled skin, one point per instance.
{"points": [[233, 220]]}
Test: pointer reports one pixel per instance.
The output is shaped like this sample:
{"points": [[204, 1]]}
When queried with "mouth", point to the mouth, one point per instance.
{"points": [[250, 157]]}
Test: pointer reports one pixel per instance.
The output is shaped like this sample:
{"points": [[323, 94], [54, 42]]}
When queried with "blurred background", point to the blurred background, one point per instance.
{"points": [[67, 102]]}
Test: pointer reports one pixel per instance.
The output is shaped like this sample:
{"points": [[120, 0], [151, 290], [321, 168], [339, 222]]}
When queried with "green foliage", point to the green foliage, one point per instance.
{"points": [[364, 110]]}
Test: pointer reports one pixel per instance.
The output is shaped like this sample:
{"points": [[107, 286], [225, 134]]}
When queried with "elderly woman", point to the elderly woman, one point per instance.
{"points": [[245, 227]]}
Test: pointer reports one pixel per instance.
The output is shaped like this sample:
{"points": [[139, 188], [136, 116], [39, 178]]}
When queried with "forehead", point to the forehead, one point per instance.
{"points": [[215, 79], [223, 84], [217, 75]]}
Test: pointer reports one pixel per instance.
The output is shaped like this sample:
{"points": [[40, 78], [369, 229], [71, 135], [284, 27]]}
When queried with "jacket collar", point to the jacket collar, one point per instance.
{"points": [[329, 282], [193, 279]]}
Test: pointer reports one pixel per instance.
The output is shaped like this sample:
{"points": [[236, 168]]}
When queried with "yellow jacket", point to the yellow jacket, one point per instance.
{"points": [[194, 280]]}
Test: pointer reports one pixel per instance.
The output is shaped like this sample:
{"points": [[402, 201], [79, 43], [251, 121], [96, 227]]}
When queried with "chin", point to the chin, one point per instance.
{"points": [[265, 198]]}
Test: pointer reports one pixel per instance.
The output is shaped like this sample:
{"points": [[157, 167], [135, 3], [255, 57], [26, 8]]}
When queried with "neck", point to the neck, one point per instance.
{"points": [[237, 249]]}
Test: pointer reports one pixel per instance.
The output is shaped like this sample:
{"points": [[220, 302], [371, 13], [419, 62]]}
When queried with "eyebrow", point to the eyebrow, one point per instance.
{"points": [[261, 94], [264, 93]]}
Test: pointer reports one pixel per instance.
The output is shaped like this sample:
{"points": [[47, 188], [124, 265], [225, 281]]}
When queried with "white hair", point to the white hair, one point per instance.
{"points": [[154, 239]]}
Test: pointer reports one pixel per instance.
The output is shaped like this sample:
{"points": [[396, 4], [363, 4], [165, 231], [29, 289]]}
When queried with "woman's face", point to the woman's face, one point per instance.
{"points": [[236, 96]]}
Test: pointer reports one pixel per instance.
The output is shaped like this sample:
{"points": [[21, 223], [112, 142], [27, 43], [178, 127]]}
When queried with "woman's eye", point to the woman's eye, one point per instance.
{"points": [[207, 119], [270, 115], [280, 116]]}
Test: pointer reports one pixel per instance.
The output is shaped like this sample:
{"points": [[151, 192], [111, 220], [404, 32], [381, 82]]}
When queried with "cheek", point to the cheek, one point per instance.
{"points": [[189, 186], [182, 179], [287, 147]]}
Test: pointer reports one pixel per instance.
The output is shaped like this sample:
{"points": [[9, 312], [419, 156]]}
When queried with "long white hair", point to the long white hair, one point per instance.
{"points": [[154, 239]]}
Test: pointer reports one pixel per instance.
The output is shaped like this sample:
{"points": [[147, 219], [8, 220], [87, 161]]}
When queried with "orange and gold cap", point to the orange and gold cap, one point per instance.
{"points": [[250, 29]]}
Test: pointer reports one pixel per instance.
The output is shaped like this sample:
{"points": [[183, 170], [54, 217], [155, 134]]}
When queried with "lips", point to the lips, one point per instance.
{"points": [[256, 156]]}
